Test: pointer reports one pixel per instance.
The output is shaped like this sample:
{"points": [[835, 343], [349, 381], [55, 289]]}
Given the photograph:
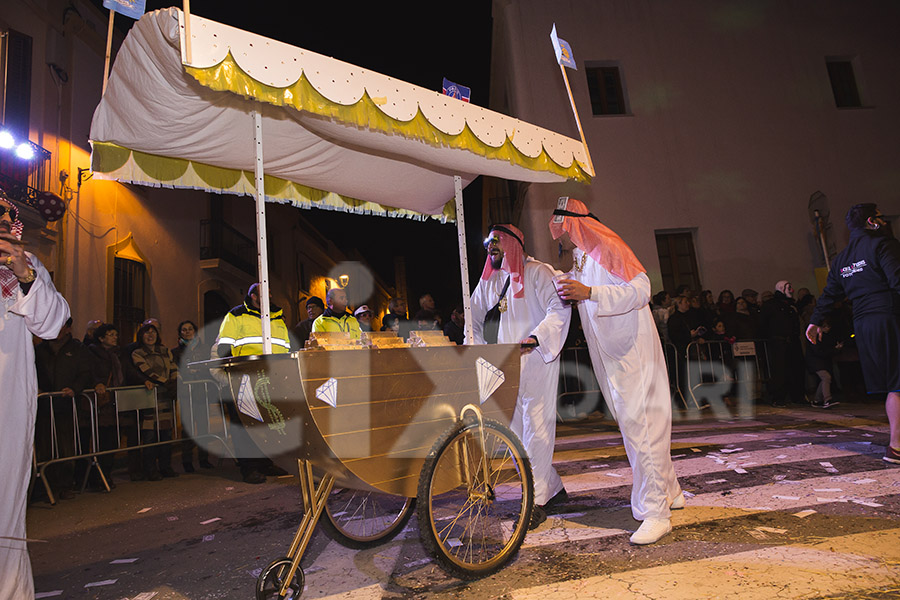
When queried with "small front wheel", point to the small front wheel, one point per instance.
{"points": [[475, 498], [272, 578], [361, 519]]}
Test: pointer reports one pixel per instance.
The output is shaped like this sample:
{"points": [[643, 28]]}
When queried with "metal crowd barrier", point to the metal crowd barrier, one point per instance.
{"points": [[579, 393], [714, 370], [126, 399]]}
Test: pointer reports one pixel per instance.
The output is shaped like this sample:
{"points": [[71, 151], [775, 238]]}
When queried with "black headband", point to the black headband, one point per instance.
{"points": [[510, 232], [569, 213]]}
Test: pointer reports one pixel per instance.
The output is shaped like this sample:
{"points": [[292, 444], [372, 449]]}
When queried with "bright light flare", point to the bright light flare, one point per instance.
{"points": [[7, 140], [25, 151]]}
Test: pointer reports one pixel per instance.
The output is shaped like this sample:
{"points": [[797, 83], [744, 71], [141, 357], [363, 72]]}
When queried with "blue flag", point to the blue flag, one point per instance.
{"points": [[460, 92], [563, 51], [129, 8]]}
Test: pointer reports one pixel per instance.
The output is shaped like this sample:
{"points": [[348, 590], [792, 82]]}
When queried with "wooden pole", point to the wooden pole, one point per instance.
{"points": [[109, 37], [587, 152], [187, 32]]}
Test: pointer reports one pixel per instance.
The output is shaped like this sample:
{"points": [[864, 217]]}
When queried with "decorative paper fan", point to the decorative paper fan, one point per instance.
{"points": [[489, 378], [246, 401], [327, 392]]}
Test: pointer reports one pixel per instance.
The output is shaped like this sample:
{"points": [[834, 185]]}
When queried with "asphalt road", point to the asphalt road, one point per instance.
{"points": [[788, 503]]}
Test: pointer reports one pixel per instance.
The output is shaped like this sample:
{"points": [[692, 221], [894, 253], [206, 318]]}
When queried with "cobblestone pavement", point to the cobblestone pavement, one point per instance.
{"points": [[789, 503]]}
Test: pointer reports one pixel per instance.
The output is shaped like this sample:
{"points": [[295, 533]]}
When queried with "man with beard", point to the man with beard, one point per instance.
{"points": [[533, 315], [613, 292], [314, 308], [867, 272], [29, 305]]}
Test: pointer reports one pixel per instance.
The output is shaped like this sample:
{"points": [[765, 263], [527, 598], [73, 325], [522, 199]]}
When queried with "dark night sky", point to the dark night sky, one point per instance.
{"points": [[414, 42]]}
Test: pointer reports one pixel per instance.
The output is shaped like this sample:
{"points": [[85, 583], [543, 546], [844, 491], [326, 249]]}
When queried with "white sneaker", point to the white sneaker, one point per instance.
{"points": [[678, 502], [651, 530]]}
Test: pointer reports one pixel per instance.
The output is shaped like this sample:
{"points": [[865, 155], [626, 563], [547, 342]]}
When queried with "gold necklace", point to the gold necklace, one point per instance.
{"points": [[580, 265]]}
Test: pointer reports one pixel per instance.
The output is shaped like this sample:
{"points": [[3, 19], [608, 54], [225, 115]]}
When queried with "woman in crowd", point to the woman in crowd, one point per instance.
{"points": [[107, 373], [192, 398], [156, 365], [726, 302]]}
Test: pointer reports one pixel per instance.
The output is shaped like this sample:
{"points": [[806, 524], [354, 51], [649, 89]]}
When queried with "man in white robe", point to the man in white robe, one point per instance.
{"points": [[531, 313], [613, 295], [29, 305]]}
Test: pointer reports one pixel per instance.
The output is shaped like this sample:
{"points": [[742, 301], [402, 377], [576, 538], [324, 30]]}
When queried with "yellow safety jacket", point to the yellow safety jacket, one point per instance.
{"points": [[242, 332], [329, 321]]}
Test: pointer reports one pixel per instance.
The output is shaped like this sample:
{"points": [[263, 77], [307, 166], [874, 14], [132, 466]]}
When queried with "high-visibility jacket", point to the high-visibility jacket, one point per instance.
{"points": [[329, 321], [241, 332]]}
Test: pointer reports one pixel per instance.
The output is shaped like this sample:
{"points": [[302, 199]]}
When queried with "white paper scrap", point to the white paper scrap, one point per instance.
{"points": [[827, 490], [208, 521], [867, 480], [40, 595], [209, 538], [804, 513], [100, 583], [713, 481], [172, 518], [868, 503], [727, 450], [613, 474], [123, 561], [740, 470], [786, 497], [825, 500], [143, 510]]}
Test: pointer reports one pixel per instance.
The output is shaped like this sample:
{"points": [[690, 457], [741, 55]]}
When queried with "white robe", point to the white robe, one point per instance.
{"points": [[41, 312], [542, 314], [630, 367]]}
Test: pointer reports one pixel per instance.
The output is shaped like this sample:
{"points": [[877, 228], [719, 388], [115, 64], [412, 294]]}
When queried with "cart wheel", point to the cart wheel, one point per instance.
{"points": [[474, 525], [358, 519], [269, 582]]}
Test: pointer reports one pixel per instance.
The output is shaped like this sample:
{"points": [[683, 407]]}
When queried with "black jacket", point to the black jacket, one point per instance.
{"points": [[67, 367], [867, 272], [778, 319]]}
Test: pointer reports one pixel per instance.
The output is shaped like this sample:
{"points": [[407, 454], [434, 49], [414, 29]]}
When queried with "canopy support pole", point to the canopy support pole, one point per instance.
{"points": [[262, 246], [463, 258]]}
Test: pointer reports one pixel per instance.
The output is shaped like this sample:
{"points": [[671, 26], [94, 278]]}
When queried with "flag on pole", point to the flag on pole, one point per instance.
{"points": [[454, 90], [564, 54], [129, 8]]}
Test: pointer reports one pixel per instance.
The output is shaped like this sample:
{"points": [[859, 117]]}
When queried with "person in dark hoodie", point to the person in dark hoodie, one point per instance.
{"points": [[779, 324], [820, 362], [867, 272]]}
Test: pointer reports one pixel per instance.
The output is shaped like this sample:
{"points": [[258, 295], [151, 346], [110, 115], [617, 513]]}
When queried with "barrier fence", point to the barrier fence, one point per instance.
{"points": [[703, 376], [89, 430]]}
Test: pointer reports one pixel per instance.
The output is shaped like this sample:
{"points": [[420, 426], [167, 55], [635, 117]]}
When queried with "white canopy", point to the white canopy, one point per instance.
{"points": [[336, 135]]}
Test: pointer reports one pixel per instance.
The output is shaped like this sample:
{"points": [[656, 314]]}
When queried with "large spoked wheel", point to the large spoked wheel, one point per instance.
{"points": [[271, 580], [359, 519], [475, 498]]}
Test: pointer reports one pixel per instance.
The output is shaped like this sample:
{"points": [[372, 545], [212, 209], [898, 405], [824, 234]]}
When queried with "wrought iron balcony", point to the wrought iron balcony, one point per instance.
{"points": [[218, 240]]}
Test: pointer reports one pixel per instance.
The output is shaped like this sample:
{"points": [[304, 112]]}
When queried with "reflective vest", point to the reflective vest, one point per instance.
{"points": [[242, 330], [327, 321]]}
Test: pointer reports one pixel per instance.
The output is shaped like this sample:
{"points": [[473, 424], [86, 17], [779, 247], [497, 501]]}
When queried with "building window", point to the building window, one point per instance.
{"points": [[844, 83], [129, 287], [677, 260], [605, 87]]}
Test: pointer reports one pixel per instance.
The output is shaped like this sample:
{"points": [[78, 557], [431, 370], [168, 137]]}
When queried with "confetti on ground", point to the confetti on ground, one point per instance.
{"points": [[145, 596], [209, 538], [827, 490], [100, 583], [771, 530], [729, 450], [171, 518], [786, 497], [868, 503], [208, 521], [143, 510], [717, 481], [613, 474], [740, 470], [416, 563], [805, 513], [122, 561], [865, 480], [40, 595]]}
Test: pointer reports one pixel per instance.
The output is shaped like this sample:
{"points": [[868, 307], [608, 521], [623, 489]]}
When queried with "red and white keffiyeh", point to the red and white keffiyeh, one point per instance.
{"points": [[512, 242], [8, 280], [594, 238]]}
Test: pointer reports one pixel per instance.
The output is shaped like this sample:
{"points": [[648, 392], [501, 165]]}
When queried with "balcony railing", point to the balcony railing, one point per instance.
{"points": [[220, 240]]}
